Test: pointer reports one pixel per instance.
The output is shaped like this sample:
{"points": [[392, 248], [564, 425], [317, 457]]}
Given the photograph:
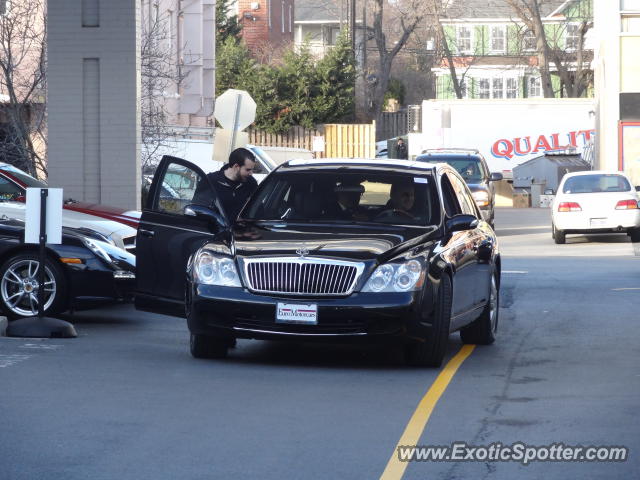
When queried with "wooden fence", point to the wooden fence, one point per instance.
{"points": [[296, 137], [350, 141], [340, 140]]}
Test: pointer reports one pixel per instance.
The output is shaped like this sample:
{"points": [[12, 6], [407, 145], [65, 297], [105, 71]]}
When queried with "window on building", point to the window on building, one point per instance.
{"points": [[529, 41], [497, 88], [3, 7], [631, 24], [464, 39], [484, 88], [290, 18], [498, 39], [630, 5], [573, 37], [534, 87], [511, 90], [282, 17]]}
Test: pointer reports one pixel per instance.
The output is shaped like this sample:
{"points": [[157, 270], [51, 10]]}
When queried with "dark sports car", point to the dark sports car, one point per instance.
{"points": [[332, 249], [85, 267]]}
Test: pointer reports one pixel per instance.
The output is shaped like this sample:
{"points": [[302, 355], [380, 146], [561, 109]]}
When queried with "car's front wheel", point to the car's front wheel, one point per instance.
{"points": [[558, 235], [205, 346], [431, 352], [482, 331], [19, 286]]}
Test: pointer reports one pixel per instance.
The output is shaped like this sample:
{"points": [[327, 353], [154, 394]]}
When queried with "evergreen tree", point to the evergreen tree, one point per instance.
{"points": [[336, 76], [226, 25]]}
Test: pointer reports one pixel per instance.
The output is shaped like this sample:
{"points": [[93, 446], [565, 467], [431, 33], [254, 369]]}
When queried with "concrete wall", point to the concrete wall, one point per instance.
{"points": [[93, 100]]}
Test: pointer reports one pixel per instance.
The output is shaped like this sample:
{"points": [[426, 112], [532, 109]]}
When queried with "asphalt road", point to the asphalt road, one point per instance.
{"points": [[126, 401]]}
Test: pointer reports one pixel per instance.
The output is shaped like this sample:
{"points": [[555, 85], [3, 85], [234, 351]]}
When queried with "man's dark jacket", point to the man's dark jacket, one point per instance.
{"points": [[232, 195]]}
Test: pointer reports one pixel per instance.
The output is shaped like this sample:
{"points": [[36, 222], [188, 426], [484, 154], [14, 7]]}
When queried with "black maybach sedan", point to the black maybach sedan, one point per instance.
{"points": [[332, 249], [84, 268]]}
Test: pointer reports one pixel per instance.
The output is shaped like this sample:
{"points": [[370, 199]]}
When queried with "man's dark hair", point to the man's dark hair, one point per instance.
{"points": [[239, 155]]}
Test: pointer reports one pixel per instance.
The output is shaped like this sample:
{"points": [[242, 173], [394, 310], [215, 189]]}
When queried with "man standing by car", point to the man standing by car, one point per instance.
{"points": [[234, 183], [401, 150]]}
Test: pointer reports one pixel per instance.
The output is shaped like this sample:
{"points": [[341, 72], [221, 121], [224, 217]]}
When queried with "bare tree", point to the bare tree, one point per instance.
{"points": [[390, 31], [161, 77], [23, 85], [570, 61]]}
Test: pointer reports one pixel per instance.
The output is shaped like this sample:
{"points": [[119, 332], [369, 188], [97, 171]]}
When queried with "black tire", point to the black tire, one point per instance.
{"points": [[558, 235], [205, 346], [431, 352], [18, 275], [482, 331], [634, 234]]}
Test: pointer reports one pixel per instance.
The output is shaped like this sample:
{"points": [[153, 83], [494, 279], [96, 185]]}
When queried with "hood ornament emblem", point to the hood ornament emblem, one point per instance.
{"points": [[302, 252]]}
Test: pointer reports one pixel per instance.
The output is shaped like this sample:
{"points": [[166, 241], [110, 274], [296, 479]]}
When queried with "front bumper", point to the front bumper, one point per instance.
{"points": [[238, 313]]}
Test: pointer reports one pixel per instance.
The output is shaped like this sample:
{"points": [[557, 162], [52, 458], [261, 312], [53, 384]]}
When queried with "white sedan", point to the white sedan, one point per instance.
{"points": [[595, 202]]}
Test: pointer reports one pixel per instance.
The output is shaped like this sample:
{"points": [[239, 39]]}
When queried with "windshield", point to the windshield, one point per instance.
{"points": [[24, 177], [596, 184], [337, 196], [470, 168]]}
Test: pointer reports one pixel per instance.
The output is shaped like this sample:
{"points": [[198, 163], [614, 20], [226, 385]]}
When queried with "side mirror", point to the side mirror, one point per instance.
{"points": [[205, 213], [637, 188], [461, 222], [495, 177]]}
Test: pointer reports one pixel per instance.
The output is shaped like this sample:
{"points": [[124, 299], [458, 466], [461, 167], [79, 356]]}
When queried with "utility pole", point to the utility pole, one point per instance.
{"points": [[352, 25]]}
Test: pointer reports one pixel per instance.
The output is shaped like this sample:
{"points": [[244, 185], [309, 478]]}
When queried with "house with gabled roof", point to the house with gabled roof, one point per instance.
{"points": [[495, 55]]}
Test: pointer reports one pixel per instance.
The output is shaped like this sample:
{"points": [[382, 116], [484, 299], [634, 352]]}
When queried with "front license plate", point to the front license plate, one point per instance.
{"points": [[598, 222], [306, 314]]}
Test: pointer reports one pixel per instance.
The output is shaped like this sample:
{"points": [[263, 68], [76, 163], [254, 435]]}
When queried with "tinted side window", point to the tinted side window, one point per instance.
{"points": [[8, 190], [181, 186], [464, 199], [451, 205]]}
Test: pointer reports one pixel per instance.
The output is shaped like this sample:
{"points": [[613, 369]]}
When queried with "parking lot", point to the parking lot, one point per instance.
{"points": [[126, 400]]}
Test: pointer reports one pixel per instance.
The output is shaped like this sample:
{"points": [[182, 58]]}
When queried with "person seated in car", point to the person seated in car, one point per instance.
{"points": [[401, 200], [347, 202], [469, 171]]}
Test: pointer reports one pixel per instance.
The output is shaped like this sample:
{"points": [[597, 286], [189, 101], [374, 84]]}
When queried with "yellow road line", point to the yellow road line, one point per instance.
{"points": [[395, 468]]}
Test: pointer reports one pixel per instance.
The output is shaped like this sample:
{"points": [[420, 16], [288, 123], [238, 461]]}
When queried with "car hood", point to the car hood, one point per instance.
{"points": [[357, 242], [477, 187]]}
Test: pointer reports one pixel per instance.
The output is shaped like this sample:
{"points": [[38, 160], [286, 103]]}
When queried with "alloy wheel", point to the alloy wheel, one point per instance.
{"points": [[19, 287]]}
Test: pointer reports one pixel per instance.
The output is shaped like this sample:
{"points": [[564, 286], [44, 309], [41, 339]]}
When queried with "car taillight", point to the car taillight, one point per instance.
{"points": [[569, 207], [626, 205]]}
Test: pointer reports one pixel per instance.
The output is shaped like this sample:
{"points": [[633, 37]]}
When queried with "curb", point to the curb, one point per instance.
{"points": [[3, 326]]}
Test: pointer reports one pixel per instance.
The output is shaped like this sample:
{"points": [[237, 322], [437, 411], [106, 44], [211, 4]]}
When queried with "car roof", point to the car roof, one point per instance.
{"points": [[360, 162]]}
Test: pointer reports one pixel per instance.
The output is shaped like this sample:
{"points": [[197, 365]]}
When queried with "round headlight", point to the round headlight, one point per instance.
{"points": [[207, 267], [381, 278], [228, 271], [407, 275]]}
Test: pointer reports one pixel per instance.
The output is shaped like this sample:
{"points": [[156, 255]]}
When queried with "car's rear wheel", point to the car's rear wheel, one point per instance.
{"points": [[205, 346], [19, 286], [558, 235], [482, 331], [431, 352], [634, 234]]}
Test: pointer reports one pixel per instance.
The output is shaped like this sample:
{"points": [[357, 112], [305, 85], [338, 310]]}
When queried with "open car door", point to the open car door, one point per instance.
{"points": [[182, 213]]}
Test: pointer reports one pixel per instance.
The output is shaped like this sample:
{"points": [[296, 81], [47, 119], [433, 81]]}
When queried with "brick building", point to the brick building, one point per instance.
{"points": [[266, 22]]}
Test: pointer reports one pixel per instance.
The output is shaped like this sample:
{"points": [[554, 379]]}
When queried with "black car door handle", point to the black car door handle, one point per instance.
{"points": [[146, 233]]}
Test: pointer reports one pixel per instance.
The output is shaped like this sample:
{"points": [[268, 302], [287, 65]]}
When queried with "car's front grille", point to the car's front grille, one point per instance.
{"points": [[302, 276]]}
